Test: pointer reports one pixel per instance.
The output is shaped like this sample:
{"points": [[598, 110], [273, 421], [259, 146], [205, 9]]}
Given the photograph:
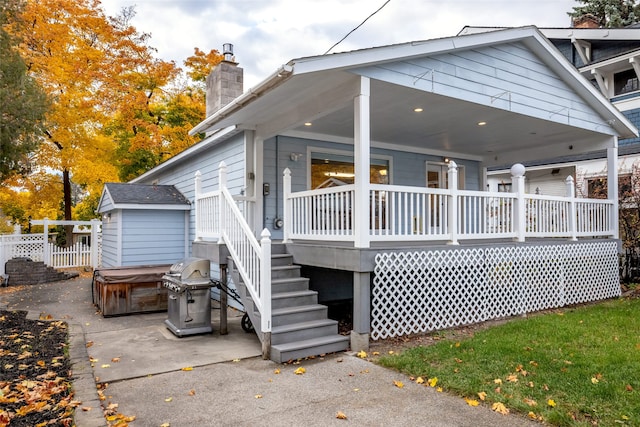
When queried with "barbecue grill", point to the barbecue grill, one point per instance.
{"points": [[189, 299]]}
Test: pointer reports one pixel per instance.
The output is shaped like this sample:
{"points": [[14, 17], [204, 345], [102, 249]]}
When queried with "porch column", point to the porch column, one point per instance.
{"points": [[612, 186], [361, 311], [222, 184], [517, 182], [362, 162]]}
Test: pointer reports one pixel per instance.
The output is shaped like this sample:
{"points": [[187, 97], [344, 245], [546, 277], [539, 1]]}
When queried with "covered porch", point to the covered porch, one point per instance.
{"points": [[484, 100]]}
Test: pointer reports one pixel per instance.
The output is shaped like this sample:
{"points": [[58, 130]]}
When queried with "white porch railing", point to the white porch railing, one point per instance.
{"points": [[403, 213], [218, 217]]}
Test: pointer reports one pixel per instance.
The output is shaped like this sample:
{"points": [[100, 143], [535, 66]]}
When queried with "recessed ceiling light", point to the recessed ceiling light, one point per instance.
{"points": [[308, 123], [482, 123], [418, 110]]}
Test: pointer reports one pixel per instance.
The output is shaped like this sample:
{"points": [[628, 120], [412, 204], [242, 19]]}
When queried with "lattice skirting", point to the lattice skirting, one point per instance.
{"points": [[423, 291]]}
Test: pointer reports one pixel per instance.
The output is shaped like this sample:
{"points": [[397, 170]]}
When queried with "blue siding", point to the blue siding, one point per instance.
{"points": [[634, 117], [110, 242], [152, 237], [482, 75]]}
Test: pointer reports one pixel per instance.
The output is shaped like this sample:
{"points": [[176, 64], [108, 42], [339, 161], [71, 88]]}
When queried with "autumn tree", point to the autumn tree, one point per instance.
{"points": [[152, 133], [22, 102], [608, 13]]}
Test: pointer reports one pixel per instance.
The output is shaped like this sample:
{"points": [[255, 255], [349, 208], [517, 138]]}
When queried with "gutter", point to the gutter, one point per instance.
{"points": [[275, 79]]}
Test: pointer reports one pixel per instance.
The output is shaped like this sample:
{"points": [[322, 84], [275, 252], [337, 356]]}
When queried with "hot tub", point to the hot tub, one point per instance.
{"points": [[126, 290]]}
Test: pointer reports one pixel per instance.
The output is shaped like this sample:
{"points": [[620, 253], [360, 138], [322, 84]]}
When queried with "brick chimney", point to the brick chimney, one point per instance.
{"points": [[224, 82], [586, 21]]}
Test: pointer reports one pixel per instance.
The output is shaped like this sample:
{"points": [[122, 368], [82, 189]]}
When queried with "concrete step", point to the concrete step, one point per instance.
{"points": [[285, 271], [293, 299], [289, 285], [311, 347], [278, 248], [281, 259], [302, 313], [303, 331]]}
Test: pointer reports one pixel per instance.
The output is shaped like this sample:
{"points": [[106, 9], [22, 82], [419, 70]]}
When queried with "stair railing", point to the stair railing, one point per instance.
{"points": [[251, 258]]}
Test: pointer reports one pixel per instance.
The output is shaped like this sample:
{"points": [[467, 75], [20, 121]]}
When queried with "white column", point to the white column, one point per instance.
{"points": [[573, 214], [517, 182], [222, 186], [362, 162], [612, 186], [46, 254], [265, 293], [286, 206], [197, 190], [452, 213]]}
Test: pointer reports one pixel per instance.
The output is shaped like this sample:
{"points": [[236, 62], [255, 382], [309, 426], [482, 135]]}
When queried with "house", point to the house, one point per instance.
{"points": [[362, 176], [608, 58]]}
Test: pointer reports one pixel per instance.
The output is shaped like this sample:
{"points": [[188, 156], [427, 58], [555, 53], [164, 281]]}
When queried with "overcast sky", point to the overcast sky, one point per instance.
{"points": [[269, 33]]}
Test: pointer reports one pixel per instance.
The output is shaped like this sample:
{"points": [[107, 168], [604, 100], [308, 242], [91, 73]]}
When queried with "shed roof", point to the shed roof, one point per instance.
{"points": [[142, 196]]}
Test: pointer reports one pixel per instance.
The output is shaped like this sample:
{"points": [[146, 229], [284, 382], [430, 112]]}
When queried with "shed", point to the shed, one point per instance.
{"points": [[143, 224]]}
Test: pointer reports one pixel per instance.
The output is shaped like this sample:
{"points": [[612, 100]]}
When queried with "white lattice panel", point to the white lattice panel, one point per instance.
{"points": [[422, 291]]}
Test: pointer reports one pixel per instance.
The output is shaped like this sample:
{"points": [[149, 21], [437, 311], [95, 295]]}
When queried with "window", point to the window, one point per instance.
{"points": [[625, 82], [330, 169], [597, 187]]}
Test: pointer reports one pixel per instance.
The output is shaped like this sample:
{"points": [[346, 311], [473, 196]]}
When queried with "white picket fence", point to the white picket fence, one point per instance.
{"points": [[33, 246]]}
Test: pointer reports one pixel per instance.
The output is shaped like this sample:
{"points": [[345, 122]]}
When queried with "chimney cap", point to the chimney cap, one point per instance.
{"points": [[227, 52]]}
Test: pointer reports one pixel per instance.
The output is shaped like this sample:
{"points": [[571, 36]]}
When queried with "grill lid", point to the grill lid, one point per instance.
{"points": [[191, 268]]}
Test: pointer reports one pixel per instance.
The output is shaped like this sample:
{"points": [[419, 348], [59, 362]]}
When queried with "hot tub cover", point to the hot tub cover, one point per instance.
{"points": [[132, 274]]}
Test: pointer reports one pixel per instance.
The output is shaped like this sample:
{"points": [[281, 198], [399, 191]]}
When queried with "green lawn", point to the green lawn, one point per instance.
{"points": [[573, 367]]}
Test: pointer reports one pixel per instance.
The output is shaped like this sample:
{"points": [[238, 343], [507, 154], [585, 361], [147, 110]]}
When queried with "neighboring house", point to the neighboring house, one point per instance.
{"points": [[370, 167], [610, 59]]}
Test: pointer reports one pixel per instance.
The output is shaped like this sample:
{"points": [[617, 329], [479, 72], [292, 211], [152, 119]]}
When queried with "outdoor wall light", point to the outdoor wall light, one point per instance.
{"points": [[295, 156]]}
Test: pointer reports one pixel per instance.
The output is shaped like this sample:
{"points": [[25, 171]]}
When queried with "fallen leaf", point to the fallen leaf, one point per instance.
{"points": [[439, 389], [168, 399], [433, 381], [187, 368], [341, 416], [512, 378], [106, 365], [471, 402], [391, 352], [532, 415], [115, 359], [236, 360], [164, 425], [300, 371], [376, 353], [500, 408], [398, 384], [277, 371], [419, 380], [86, 408], [258, 396], [628, 387], [361, 354], [497, 381], [530, 402], [89, 344], [192, 392], [594, 380], [482, 395], [551, 403]]}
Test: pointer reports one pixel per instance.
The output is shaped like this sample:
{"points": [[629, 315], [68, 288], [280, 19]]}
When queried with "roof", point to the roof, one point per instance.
{"points": [[310, 77], [141, 196]]}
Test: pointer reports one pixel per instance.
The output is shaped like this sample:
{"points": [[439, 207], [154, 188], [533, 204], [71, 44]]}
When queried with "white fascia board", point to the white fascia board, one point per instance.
{"points": [[189, 152], [569, 33], [105, 194]]}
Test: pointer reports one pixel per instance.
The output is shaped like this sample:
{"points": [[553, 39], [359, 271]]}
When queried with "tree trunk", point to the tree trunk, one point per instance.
{"points": [[68, 229]]}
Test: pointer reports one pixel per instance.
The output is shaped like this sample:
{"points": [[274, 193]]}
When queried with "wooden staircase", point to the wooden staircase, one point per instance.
{"points": [[299, 325]]}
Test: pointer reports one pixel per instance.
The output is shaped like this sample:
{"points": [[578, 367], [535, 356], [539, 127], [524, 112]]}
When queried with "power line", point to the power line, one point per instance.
{"points": [[361, 24]]}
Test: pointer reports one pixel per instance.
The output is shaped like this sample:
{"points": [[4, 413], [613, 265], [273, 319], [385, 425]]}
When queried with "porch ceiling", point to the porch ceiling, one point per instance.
{"points": [[450, 125]]}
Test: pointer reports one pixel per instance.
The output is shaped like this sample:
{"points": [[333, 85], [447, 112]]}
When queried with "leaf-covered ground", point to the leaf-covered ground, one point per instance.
{"points": [[35, 372]]}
